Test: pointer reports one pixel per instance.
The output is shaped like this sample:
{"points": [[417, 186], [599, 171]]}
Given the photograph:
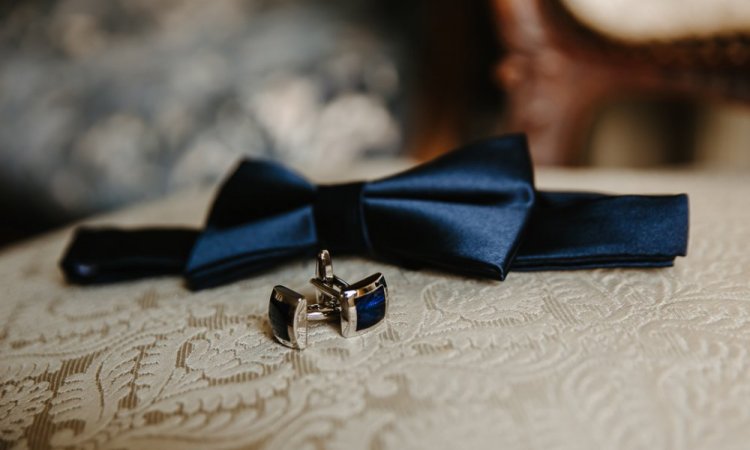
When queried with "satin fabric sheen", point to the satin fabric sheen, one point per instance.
{"points": [[473, 211]]}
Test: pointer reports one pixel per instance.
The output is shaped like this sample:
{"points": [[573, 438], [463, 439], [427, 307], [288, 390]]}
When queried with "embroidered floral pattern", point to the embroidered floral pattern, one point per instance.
{"points": [[589, 359]]}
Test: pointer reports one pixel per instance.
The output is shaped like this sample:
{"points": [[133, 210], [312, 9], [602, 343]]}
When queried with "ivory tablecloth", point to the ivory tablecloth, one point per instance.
{"points": [[595, 359]]}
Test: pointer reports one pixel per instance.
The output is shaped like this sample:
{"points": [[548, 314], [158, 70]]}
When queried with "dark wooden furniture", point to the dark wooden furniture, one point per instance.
{"points": [[557, 73]]}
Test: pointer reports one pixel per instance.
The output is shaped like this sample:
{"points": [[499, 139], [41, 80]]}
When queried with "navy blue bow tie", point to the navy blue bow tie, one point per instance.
{"points": [[473, 211]]}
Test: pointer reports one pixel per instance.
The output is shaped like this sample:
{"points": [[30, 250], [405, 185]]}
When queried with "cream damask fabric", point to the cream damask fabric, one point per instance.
{"points": [[596, 359]]}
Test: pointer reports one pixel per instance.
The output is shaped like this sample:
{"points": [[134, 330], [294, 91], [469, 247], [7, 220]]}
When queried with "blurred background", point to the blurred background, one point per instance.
{"points": [[103, 104]]}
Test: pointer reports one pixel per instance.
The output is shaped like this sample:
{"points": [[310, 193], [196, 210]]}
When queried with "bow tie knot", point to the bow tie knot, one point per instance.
{"points": [[339, 221]]}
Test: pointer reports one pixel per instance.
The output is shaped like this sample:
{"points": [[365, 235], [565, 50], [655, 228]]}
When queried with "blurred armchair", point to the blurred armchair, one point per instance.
{"points": [[566, 58]]}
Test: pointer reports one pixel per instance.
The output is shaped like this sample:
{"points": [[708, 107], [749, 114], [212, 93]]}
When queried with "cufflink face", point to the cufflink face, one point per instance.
{"points": [[364, 305], [287, 313]]}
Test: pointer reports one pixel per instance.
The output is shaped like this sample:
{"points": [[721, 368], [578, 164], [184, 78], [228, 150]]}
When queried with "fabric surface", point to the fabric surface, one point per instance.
{"points": [[591, 359]]}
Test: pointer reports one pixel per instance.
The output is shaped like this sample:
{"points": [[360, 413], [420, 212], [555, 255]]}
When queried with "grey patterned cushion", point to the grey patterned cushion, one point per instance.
{"points": [[107, 103]]}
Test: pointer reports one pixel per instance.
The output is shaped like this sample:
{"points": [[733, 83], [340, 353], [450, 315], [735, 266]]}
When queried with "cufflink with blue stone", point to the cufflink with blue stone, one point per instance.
{"points": [[363, 305]]}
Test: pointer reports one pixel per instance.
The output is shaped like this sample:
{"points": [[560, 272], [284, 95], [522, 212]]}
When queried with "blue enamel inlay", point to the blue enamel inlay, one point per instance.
{"points": [[279, 314], [370, 308]]}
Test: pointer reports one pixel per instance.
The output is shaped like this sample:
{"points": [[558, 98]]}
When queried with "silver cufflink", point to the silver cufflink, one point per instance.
{"points": [[361, 306]]}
